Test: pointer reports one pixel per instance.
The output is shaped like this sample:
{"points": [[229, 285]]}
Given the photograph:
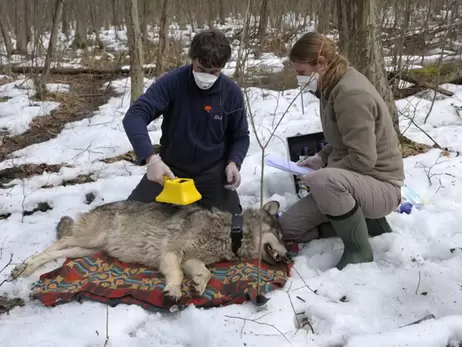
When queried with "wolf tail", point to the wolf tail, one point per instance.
{"points": [[64, 227]]}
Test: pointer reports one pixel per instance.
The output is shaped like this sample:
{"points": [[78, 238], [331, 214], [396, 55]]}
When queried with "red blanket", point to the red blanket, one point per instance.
{"points": [[104, 279]]}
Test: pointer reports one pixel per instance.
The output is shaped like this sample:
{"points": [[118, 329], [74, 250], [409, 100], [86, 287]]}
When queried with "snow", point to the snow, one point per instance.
{"points": [[416, 270], [19, 110]]}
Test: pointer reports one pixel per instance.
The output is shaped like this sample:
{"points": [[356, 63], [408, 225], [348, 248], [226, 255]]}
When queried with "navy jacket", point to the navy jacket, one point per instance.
{"points": [[200, 128]]}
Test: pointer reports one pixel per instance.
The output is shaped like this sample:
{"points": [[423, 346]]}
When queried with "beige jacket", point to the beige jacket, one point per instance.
{"points": [[359, 130]]}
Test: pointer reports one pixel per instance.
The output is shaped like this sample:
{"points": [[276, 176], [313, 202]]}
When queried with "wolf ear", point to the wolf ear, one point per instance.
{"points": [[272, 207]]}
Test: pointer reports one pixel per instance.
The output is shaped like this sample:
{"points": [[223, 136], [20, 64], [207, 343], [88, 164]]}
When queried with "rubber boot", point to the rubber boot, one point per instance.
{"points": [[352, 230], [375, 227]]}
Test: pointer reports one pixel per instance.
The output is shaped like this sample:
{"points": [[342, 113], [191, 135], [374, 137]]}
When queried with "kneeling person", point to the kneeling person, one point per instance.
{"points": [[205, 134]]}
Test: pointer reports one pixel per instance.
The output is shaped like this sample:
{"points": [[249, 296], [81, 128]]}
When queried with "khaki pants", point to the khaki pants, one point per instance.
{"points": [[333, 192]]}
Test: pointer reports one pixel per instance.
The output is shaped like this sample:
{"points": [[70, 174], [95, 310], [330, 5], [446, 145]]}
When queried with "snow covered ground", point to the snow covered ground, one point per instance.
{"points": [[417, 268]]}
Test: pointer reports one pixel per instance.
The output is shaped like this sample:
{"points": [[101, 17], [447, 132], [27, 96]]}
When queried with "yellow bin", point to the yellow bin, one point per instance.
{"points": [[179, 191]]}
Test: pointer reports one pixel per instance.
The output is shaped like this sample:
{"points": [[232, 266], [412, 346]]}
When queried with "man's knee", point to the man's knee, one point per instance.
{"points": [[145, 191]]}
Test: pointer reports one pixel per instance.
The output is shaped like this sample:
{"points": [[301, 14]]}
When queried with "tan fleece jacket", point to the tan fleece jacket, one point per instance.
{"points": [[359, 130]]}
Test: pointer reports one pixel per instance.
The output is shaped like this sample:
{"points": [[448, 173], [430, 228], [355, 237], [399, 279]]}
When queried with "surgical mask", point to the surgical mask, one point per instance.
{"points": [[204, 80], [311, 82]]}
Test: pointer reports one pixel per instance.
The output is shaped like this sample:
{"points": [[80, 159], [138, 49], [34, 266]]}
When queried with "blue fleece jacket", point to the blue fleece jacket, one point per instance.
{"points": [[200, 128]]}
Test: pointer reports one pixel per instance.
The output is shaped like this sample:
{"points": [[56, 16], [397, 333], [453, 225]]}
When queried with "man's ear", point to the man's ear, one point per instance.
{"points": [[272, 207]]}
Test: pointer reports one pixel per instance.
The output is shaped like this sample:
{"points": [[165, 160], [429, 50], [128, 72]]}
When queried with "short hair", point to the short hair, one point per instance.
{"points": [[211, 48]]}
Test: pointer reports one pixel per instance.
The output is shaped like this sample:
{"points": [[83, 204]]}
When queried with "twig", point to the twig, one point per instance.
{"points": [[418, 284], [7, 264], [261, 323], [428, 170], [107, 327], [299, 323], [425, 133], [306, 285], [427, 317]]}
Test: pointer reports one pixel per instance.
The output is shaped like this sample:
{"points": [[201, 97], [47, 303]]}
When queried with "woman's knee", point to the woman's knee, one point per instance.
{"points": [[330, 190]]}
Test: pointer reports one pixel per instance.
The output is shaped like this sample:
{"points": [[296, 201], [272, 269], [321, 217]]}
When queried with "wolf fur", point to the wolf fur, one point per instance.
{"points": [[175, 240]]}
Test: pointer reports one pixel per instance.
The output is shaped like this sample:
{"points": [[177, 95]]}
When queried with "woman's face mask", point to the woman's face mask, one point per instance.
{"points": [[309, 83]]}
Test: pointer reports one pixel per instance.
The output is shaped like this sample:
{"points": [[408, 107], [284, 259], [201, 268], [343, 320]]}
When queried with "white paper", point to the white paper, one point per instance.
{"points": [[285, 164]]}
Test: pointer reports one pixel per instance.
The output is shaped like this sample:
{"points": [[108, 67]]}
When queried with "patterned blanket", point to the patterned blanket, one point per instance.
{"points": [[104, 279]]}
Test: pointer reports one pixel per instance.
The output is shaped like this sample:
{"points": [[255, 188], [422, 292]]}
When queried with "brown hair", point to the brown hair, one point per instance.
{"points": [[310, 47]]}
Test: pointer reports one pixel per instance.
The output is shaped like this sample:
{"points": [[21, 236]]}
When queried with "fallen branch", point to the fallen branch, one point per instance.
{"points": [[418, 85], [73, 71]]}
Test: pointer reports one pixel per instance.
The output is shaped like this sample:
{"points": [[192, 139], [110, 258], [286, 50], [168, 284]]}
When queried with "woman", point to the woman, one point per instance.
{"points": [[359, 173]]}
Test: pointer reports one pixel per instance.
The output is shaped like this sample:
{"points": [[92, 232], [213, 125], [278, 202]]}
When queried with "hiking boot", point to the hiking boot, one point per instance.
{"points": [[375, 227], [352, 230]]}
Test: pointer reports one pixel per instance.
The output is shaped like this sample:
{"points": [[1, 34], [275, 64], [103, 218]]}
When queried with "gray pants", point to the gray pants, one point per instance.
{"points": [[333, 192]]}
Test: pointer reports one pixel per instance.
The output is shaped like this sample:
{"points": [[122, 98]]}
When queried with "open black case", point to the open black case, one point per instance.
{"points": [[302, 145]]}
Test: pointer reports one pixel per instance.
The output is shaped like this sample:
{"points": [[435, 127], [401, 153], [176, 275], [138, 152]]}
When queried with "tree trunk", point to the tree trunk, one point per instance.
{"points": [[5, 31], [65, 19], [163, 34], [80, 39], [135, 46], [96, 27], [324, 15], [51, 48], [20, 26], [28, 10], [241, 53], [221, 12], [364, 48], [145, 21], [262, 26], [190, 15], [211, 13]]}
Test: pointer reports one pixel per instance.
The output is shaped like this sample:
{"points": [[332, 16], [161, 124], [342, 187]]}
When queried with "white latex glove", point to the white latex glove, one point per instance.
{"points": [[233, 176], [157, 169], [314, 162]]}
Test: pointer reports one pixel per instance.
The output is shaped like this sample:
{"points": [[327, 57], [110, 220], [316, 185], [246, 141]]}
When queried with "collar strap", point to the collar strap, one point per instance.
{"points": [[237, 232]]}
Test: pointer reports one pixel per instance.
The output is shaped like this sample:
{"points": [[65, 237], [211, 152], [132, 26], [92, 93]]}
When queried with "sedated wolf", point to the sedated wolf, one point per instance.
{"points": [[175, 240]]}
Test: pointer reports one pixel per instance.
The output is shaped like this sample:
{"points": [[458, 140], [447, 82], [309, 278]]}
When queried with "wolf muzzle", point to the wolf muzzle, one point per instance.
{"points": [[276, 256]]}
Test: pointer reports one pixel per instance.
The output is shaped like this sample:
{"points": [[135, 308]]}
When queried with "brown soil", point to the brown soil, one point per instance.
{"points": [[81, 102], [7, 304], [80, 179], [25, 171], [129, 156]]}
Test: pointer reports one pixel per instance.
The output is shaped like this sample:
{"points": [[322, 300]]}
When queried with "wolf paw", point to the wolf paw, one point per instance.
{"points": [[200, 283], [19, 270], [173, 292]]}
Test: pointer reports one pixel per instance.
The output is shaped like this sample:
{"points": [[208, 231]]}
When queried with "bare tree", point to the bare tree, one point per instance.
{"points": [[21, 26], [360, 42], [135, 46], [262, 27], [4, 28], [163, 34], [41, 86]]}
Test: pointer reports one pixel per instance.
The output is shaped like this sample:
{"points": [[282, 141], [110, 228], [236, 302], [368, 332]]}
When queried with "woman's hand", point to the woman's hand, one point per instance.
{"points": [[314, 162]]}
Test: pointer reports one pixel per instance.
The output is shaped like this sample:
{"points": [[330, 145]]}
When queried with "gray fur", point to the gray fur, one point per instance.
{"points": [[64, 227], [175, 240]]}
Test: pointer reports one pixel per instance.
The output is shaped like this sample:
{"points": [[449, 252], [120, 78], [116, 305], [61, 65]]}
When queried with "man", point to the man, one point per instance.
{"points": [[205, 134]]}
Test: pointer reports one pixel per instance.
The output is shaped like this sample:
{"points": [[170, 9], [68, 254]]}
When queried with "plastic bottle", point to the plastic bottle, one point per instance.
{"points": [[409, 200]]}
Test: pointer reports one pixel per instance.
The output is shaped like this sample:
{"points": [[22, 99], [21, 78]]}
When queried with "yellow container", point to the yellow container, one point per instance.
{"points": [[179, 191]]}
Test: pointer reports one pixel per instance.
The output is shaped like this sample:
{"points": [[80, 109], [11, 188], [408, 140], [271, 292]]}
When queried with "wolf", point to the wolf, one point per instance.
{"points": [[175, 240]]}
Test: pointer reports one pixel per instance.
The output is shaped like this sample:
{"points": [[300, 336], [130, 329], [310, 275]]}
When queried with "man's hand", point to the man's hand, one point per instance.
{"points": [[157, 169], [233, 176], [314, 162]]}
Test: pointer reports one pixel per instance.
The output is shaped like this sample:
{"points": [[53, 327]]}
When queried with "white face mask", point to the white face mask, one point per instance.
{"points": [[204, 80], [311, 82]]}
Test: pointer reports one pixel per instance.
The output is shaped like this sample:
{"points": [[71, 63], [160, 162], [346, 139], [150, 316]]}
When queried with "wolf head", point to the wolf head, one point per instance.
{"points": [[274, 250]]}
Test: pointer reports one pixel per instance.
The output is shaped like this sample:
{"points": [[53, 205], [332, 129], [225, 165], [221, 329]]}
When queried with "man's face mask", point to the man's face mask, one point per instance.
{"points": [[204, 80], [309, 83]]}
